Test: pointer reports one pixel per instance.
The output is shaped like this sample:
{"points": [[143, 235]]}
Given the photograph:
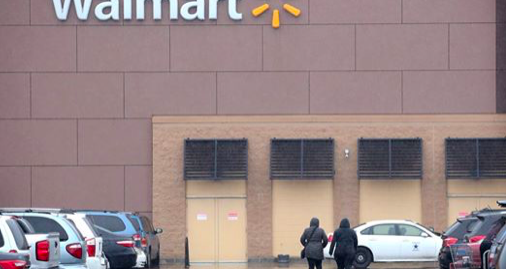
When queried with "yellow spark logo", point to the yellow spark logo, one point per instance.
{"points": [[275, 14]]}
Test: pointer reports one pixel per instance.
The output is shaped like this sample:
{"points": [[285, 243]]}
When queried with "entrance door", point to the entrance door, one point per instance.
{"points": [[217, 229]]}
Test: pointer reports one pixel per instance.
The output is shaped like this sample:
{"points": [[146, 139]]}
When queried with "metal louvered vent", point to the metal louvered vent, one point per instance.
{"points": [[475, 158], [216, 159], [390, 158], [302, 158]]}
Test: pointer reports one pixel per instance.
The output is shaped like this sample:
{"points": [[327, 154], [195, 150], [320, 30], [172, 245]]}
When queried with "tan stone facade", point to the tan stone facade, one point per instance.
{"points": [[430, 198]]}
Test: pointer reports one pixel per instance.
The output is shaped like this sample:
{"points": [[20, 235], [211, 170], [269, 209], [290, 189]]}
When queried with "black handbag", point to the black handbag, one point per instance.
{"points": [[303, 251]]}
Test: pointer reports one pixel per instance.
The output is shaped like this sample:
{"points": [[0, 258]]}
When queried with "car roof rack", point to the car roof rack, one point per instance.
{"points": [[29, 210], [97, 210]]}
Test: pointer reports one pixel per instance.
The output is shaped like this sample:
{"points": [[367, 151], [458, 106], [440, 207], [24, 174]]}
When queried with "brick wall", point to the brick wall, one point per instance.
{"points": [[76, 98]]}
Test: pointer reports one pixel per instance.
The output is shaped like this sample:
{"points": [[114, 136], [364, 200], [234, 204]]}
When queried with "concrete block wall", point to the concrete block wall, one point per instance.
{"points": [[77, 98]]}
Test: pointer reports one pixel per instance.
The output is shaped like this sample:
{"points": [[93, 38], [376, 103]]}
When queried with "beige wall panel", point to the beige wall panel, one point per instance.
{"points": [[477, 187], [465, 205], [295, 202], [390, 199], [465, 196], [206, 188]]}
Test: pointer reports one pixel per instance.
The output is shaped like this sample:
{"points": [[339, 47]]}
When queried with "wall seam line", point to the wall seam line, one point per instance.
{"points": [[355, 40], [31, 186], [216, 93], [30, 12], [77, 58], [30, 82], [77, 141], [309, 92], [170, 48], [402, 11], [402, 92], [262, 39], [124, 187], [449, 58], [124, 97]]}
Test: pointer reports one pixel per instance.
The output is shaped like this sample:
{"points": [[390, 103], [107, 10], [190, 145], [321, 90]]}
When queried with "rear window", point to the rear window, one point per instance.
{"points": [[134, 222], [111, 223], [485, 225], [146, 223], [1, 240], [461, 228], [45, 225], [18, 234]]}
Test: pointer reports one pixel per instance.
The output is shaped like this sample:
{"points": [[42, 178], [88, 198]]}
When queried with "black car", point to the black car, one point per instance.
{"points": [[119, 250], [470, 229]]}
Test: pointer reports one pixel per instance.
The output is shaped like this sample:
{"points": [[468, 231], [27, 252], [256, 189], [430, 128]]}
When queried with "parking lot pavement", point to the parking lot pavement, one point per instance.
{"points": [[299, 265]]}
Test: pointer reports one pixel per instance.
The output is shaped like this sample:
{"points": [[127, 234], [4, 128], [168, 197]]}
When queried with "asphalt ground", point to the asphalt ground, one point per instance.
{"points": [[328, 264]]}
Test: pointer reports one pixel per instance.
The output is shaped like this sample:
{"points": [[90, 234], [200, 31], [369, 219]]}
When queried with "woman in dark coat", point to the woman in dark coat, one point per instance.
{"points": [[345, 240], [314, 246]]}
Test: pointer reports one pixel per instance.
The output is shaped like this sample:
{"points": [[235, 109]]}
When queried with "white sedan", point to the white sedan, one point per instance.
{"points": [[393, 241]]}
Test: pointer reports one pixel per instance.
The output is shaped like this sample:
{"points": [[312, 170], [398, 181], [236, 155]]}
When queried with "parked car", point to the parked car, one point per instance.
{"points": [[147, 236], [394, 240], [94, 243], [43, 248], [497, 255], [73, 250], [14, 260], [479, 224], [117, 223], [119, 250], [453, 235]]}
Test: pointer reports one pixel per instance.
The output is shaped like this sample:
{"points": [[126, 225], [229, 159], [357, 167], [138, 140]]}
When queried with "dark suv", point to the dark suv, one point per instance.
{"points": [[470, 229]]}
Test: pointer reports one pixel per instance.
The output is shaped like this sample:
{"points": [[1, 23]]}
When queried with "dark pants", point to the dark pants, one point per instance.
{"points": [[344, 261], [312, 263]]}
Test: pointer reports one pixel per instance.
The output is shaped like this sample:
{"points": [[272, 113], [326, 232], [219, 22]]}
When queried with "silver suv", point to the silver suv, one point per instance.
{"points": [[73, 252]]}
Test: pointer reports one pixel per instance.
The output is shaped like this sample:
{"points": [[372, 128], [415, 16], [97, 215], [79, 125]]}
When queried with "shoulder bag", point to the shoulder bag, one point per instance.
{"points": [[303, 251]]}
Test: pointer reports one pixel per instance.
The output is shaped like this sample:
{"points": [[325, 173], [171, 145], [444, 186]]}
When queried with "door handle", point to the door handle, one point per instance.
{"points": [[405, 241], [370, 240]]}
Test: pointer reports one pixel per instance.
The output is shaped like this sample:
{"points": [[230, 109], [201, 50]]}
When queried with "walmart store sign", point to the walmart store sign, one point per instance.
{"points": [[110, 10]]}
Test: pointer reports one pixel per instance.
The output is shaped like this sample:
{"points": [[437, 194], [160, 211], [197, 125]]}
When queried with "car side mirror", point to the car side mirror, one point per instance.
{"points": [[158, 231], [425, 235]]}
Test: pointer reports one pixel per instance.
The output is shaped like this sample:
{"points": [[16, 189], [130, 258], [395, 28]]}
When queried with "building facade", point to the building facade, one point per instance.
{"points": [[97, 103]]}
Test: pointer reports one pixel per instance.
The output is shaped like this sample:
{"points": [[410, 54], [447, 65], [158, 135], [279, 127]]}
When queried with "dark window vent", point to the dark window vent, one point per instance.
{"points": [[475, 158], [215, 159], [390, 158], [302, 159]]}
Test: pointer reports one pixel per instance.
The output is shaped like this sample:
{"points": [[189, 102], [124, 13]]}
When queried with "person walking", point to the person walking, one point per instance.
{"points": [[314, 240], [345, 242]]}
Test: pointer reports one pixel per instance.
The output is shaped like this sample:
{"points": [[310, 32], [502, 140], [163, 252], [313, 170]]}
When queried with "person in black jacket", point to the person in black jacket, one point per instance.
{"points": [[345, 241], [314, 239]]}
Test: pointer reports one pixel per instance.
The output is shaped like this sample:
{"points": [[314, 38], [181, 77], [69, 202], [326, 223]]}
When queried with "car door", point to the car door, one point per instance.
{"points": [[383, 241], [416, 244], [152, 236]]}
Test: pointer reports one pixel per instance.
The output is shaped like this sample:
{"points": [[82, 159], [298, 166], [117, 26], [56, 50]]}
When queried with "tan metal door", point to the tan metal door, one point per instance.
{"points": [[201, 221], [217, 229], [232, 230]]}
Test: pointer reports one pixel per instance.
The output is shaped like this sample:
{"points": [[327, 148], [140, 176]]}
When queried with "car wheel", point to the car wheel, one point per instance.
{"points": [[363, 258], [148, 260], [156, 261]]}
